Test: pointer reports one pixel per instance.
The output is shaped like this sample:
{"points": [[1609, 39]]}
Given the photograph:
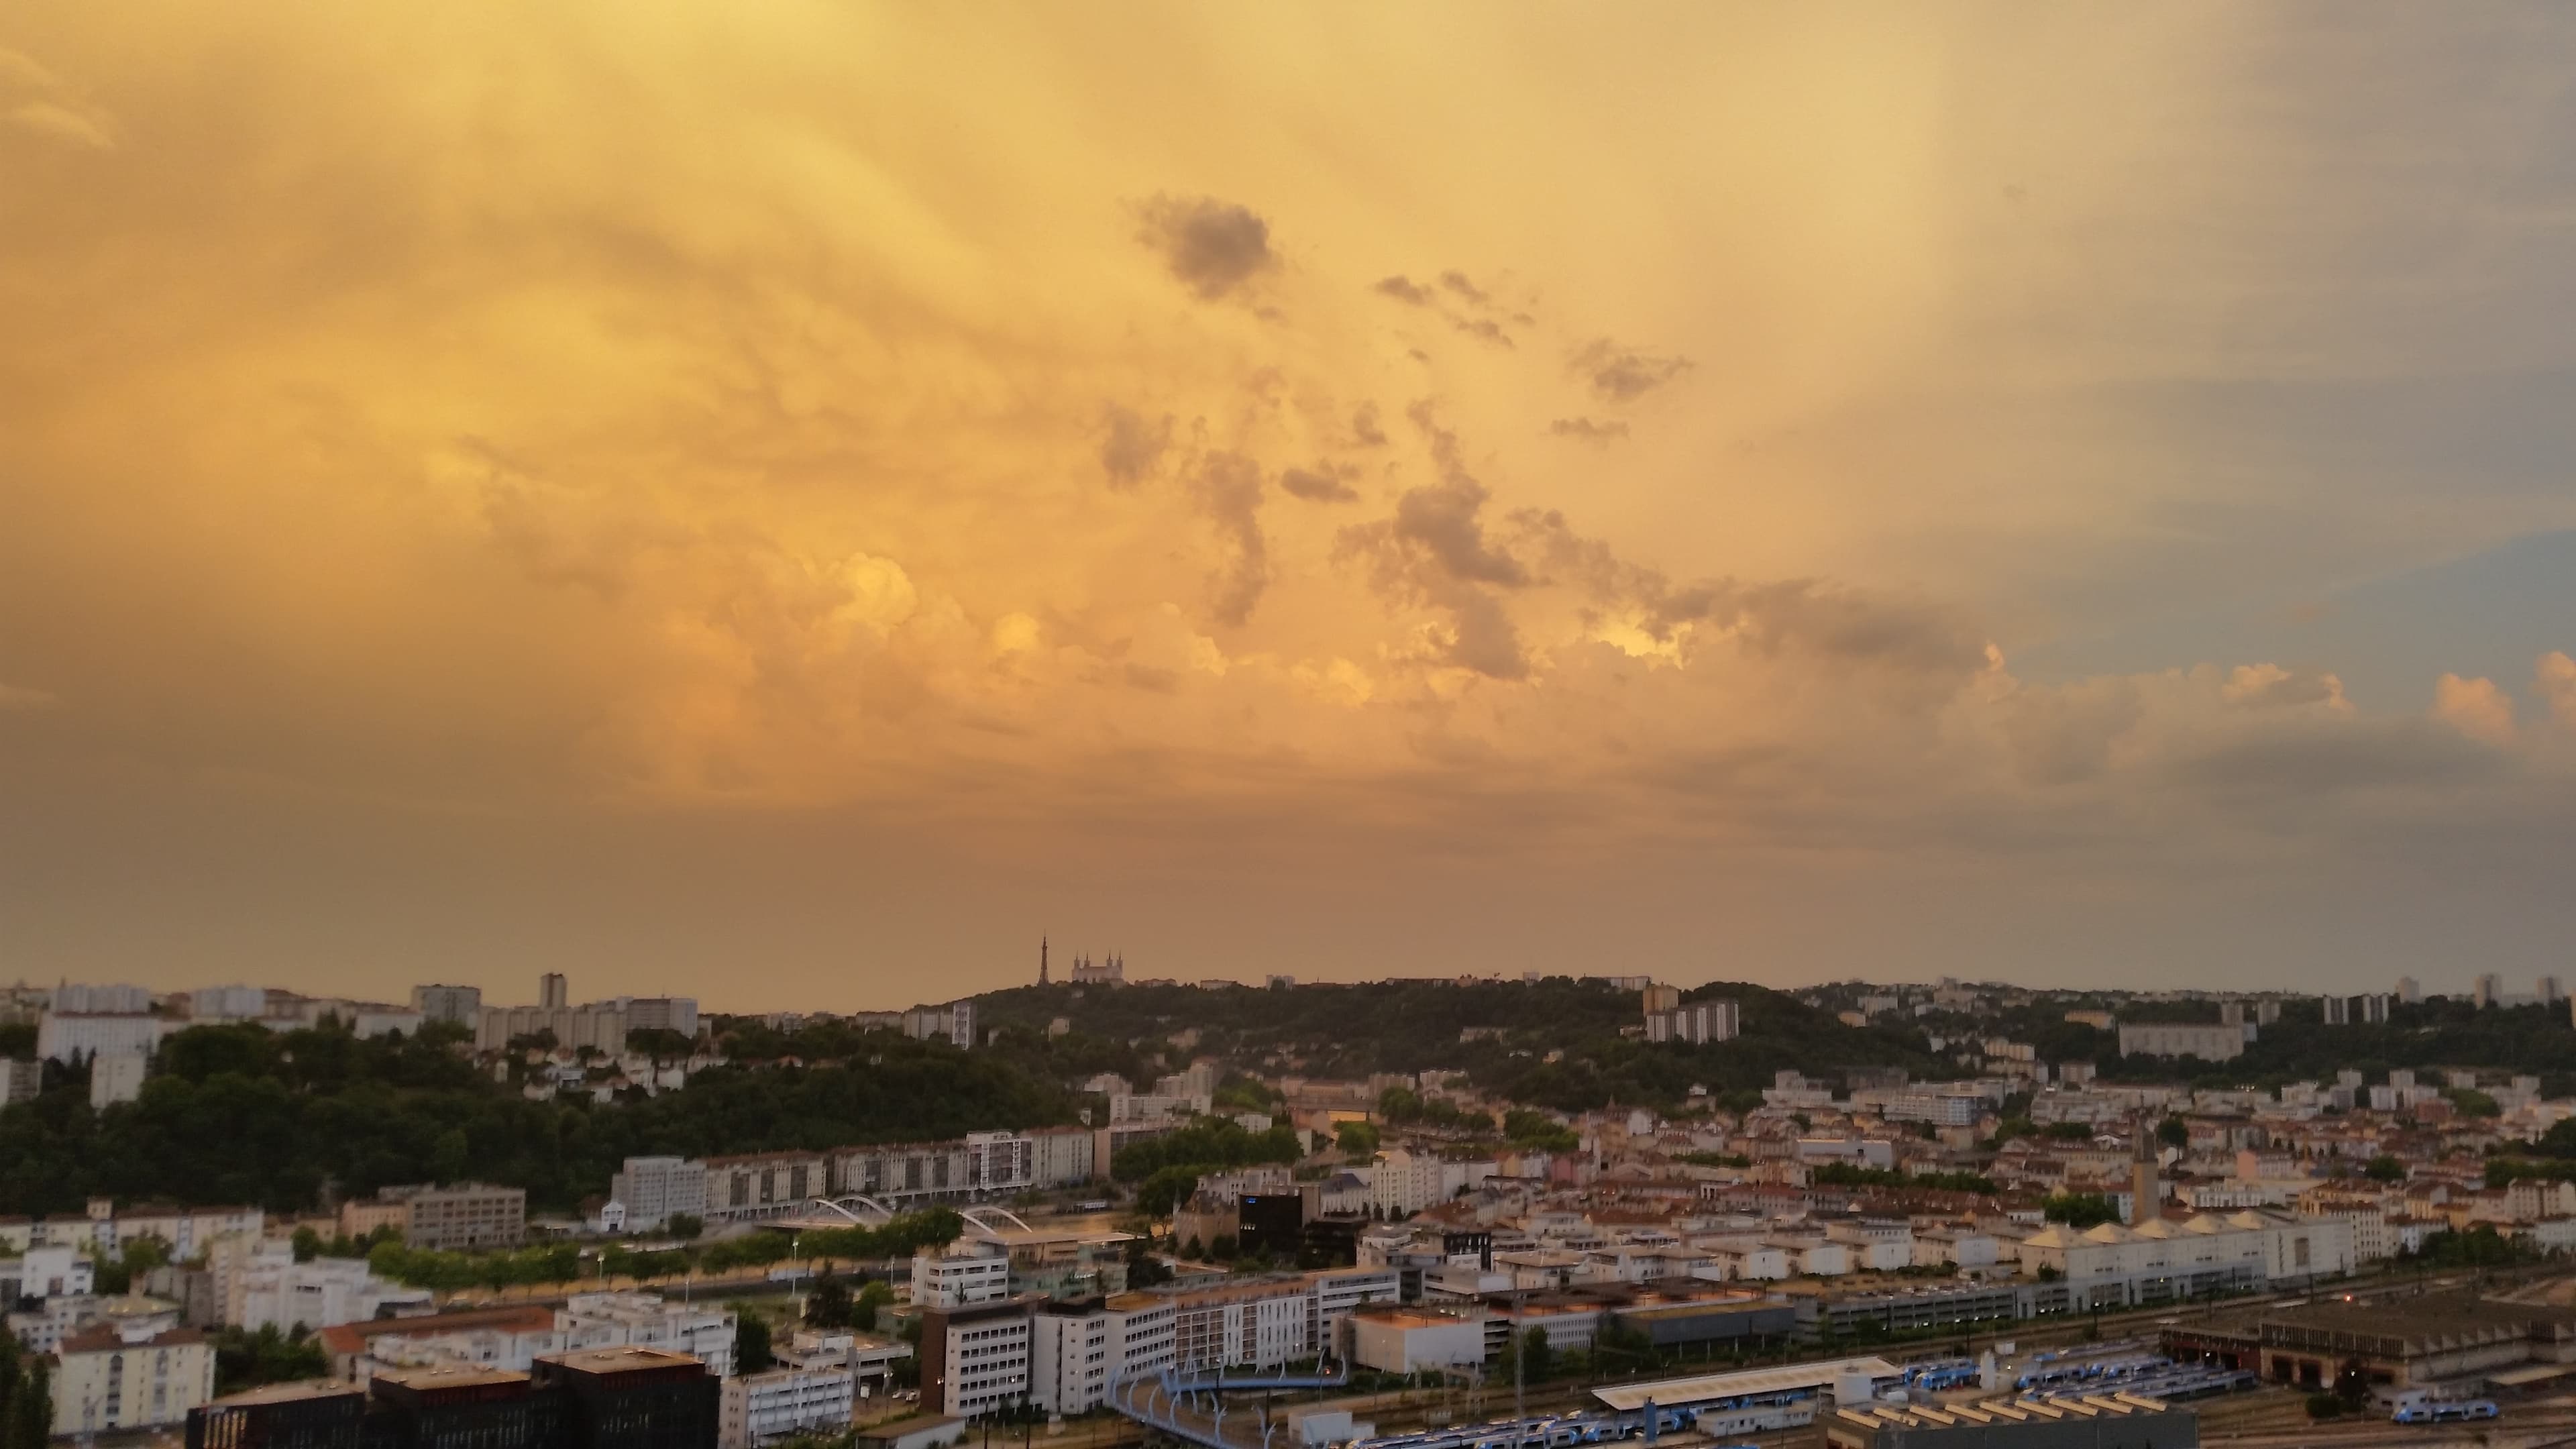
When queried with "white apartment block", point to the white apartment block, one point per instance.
{"points": [[652, 1189], [137, 1372], [643, 1320], [75, 999], [116, 1077], [1338, 1292], [65, 1036], [1697, 1022], [462, 1005], [268, 1288], [963, 1273], [812, 1391], [1401, 1182], [1262, 1322]]}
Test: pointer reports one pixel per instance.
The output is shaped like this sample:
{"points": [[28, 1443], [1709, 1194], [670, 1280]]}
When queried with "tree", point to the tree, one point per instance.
{"points": [[2385, 1168], [245, 1360], [2079, 1210], [873, 1298], [307, 1244], [1144, 1270], [31, 1410], [750, 1341], [1358, 1139], [685, 1226], [829, 1305], [2174, 1132], [1537, 1356]]}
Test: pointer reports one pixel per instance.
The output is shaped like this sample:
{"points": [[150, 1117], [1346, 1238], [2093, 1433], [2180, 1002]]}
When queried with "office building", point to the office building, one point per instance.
{"points": [[975, 1359], [462, 1005], [554, 992], [652, 1189], [702, 1331]]}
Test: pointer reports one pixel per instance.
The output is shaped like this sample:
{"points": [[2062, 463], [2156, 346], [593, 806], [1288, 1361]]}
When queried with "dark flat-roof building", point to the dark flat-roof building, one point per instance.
{"points": [[605, 1398]]}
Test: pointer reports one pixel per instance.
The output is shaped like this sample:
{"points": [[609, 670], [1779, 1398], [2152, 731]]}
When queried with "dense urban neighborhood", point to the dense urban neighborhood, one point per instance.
{"points": [[1102, 1196]]}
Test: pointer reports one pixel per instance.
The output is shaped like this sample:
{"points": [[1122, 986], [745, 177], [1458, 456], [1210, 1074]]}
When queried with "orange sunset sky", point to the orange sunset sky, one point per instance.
{"points": [[790, 502]]}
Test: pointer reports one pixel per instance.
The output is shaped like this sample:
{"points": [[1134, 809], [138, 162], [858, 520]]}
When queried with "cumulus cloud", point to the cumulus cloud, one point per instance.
{"points": [[1229, 492], [1319, 484], [2062, 736], [1622, 374], [1458, 284], [2556, 677], [1212, 247], [2265, 686], [1133, 446], [2474, 707], [1588, 430]]}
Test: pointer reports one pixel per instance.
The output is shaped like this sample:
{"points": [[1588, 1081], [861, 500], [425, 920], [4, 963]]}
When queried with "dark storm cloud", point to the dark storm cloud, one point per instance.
{"points": [[1622, 374], [1134, 446], [1212, 247], [1588, 430]]}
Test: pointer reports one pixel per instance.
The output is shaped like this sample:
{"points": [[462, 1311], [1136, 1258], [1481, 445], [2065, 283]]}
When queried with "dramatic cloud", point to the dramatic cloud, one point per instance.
{"points": [[1620, 374], [763, 505], [1588, 430], [1212, 247], [1320, 484], [1229, 491], [1134, 446]]}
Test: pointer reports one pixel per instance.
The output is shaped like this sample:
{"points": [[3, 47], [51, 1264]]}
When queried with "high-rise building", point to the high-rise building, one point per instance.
{"points": [[1661, 998], [2490, 989], [553, 991], [1697, 1022], [2409, 990], [462, 1005], [2350, 1010], [2546, 988]]}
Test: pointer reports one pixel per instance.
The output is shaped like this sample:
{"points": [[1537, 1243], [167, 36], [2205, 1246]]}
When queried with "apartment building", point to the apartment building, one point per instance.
{"points": [[748, 1187], [139, 1371], [1263, 1321], [813, 1391], [463, 1217], [653, 1189], [461, 1005]]}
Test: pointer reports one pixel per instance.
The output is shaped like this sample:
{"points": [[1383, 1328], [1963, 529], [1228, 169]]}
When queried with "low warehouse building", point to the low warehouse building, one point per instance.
{"points": [[2097, 1421], [2441, 1338]]}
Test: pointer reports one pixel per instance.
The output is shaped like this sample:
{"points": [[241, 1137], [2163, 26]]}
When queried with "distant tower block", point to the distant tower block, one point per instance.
{"points": [[1042, 961], [553, 992]]}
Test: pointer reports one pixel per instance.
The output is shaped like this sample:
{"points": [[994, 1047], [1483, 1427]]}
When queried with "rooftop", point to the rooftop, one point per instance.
{"points": [[293, 1391]]}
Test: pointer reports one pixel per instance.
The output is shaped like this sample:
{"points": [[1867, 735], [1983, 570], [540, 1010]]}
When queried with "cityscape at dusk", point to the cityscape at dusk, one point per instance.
{"points": [[856, 724], [770, 506]]}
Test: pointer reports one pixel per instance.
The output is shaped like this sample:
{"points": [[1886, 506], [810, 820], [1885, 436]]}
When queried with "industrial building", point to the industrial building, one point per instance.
{"points": [[2095, 1421], [2432, 1341]]}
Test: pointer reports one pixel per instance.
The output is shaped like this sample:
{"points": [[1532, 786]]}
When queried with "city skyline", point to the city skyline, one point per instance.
{"points": [[801, 505]]}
